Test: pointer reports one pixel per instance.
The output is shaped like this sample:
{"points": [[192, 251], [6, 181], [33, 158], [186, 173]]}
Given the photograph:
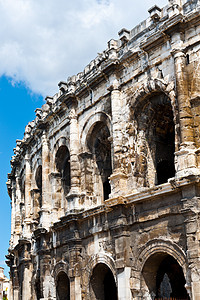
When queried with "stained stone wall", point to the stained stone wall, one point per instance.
{"points": [[105, 183]]}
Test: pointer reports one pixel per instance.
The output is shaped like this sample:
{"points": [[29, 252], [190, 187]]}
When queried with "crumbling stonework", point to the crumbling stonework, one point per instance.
{"points": [[105, 184]]}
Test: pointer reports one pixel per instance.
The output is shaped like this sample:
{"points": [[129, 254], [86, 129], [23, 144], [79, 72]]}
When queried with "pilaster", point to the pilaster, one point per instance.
{"points": [[118, 179], [18, 217], [74, 195], [27, 221], [46, 191], [186, 160]]}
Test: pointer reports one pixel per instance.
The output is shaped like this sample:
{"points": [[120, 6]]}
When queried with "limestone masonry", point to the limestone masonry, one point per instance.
{"points": [[105, 185]]}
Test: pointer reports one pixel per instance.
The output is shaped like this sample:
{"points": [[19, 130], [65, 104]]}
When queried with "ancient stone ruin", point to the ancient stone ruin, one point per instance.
{"points": [[105, 184]]}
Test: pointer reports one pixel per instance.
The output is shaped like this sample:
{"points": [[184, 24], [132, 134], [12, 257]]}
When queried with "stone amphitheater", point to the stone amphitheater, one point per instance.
{"points": [[105, 184]]}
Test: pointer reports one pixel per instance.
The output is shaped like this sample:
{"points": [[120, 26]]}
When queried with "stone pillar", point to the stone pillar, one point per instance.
{"points": [[27, 221], [12, 217], [186, 158], [75, 268], [75, 288], [118, 178], [74, 152], [26, 285], [123, 278], [73, 197], [57, 210], [190, 212], [15, 284], [18, 217], [46, 191]]}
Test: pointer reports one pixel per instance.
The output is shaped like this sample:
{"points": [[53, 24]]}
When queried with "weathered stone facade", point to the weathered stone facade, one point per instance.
{"points": [[105, 183]]}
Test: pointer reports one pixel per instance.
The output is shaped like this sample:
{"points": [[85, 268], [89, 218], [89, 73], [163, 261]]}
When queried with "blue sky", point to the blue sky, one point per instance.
{"points": [[42, 43], [17, 109]]}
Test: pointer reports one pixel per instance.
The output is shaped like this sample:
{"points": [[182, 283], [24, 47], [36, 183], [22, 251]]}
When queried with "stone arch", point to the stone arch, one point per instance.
{"points": [[149, 262], [61, 266], [62, 164], [62, 280], [97, 155], [89, 125], [62, 141], [36, 193], [153, 109], [157, 245], [154, 86], [96, 260], [151, 86], [104, 259]]}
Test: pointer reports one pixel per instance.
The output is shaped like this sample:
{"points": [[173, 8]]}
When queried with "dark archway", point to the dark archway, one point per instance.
{"points": [[156, 140], [63, 166], [102, 283], [100, 147], [38, 177], [37, 194], [170, 281], [63, 287], [164, 278]]}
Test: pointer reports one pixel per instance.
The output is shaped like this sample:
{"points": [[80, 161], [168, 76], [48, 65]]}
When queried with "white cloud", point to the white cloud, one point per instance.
{"points": [[45, 41]]}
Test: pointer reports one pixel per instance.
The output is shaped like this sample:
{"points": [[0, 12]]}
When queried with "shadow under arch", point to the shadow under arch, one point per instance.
{"points": [[162, 267], [153, 108], [89, 125], [100, 263], [62, 281], [95, 140]]}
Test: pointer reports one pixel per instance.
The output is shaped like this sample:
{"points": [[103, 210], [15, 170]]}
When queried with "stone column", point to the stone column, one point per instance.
{"points": [[12, 217], [190, 211], [74, 271], [46, 191], [26, 291], [118, 179], [123, 278], [74, 152], [18, 217], [186, 157], [27, 221], [57, 210], [73, 198], [75, 288]]}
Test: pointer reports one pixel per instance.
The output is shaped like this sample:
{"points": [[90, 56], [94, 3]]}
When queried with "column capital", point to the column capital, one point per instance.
{"points": [[72, 114], [114, 86], [178, 53]]}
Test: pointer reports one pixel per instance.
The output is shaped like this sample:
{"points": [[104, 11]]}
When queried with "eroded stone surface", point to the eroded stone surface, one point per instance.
{"points": [[105, 183]]}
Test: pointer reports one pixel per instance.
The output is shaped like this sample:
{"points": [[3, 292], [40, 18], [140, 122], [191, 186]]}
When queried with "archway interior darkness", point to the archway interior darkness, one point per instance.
{"points": [[170, 281], [38, 180], [156, 121], [63, 287], [63, 166], [100, 147], [102, 283], [162, 137], [164, 278]]}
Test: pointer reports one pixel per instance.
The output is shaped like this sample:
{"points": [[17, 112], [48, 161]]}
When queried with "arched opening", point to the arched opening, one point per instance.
{"points": [[63, 287], [155, 140], [163, 278], [100, 147], [37, 194], [102, 283], [38, 177], [63, 166]]}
